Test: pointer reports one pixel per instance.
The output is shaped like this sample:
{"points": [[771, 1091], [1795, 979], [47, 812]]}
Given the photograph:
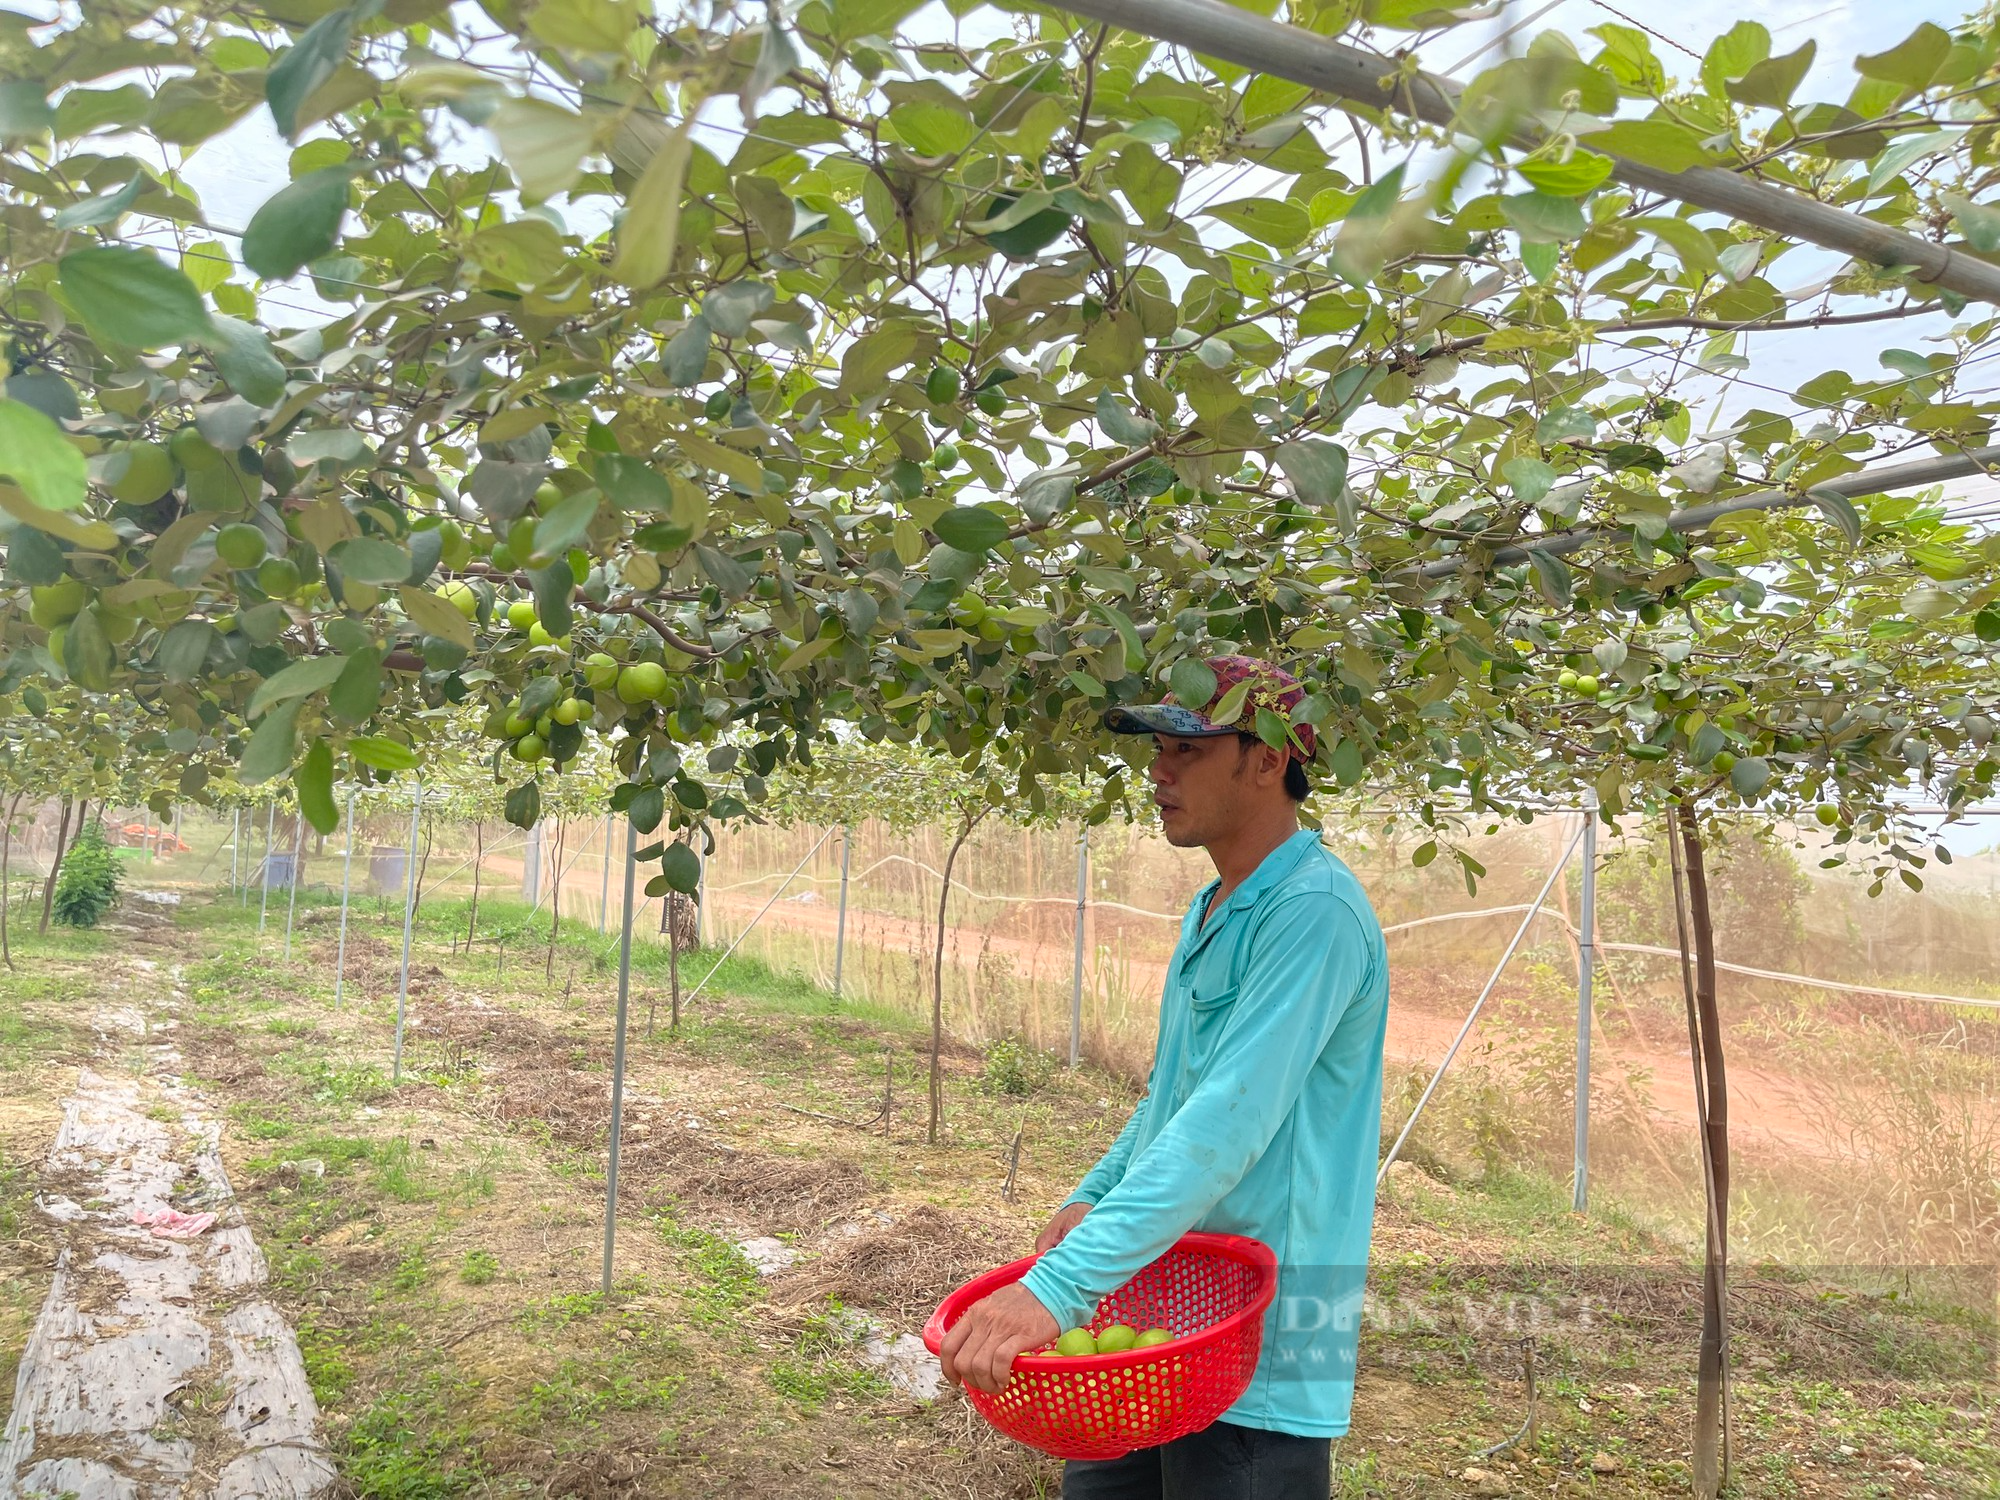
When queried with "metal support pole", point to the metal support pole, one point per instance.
{"points": [[604, 886], [292, 901], [840, 928], [346, 875], [1076, 961], [264, 900], [701, 897], [1586, 962], [618, 1058], [409, 920], [1500, 968], [235, 849]]}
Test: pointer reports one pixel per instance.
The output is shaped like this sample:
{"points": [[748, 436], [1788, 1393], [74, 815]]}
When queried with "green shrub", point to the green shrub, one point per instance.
{"points": [[88, 883], [1016, 1068]]}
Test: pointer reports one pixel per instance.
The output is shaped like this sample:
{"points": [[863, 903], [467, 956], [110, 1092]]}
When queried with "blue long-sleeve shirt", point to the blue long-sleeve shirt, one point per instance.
{"points": [[1262, 1117]]}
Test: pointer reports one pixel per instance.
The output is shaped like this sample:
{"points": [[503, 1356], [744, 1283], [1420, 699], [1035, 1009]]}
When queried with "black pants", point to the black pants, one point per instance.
{"points": [[1222, 1462]]}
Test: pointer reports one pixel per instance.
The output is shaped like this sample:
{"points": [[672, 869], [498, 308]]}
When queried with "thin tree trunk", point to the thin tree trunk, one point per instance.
{"points": [[967, 823], [423, 865], [478, 855], [674, 980], [55, 865], [1697, 935], [6, 890]]}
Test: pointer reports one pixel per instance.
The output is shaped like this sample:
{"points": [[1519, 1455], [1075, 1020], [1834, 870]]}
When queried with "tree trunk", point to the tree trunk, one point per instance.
{"points": [[478, 857], [555, 904], [423, 864], [55, 865], [6, 890], [1697, 935], [967, 823]]}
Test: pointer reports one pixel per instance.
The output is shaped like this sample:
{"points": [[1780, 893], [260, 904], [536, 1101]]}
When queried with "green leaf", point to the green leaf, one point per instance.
{"points": [[1276, 222], [370, 559], [299, 680], [730, 308], [87, 654], [51, 471], [552, 587], [1839, 510], [132, 297], [565, 522], [682, 867], [1316, 468], [357, 692], [544, 144], [1978, 222], [1019, 230], [1664, 144], [524, 804], [183, 650], [971, 528], [1424, 854], [1231, 707], [776, 56], [106, 208], [932, 129], [1543, 218], [1530, 478], [724, 571], [1749, 775], [383, 753], [1689, 242], [1912, 62], [649, 230], [297, 224], [1119, 424], [1734, 53], [269, 752], [647, 807], [686, 354], [521, 251], [244, 357], [33, 558], [859, 18], [44, 390], [1772, 82], [632, 483], [435, 616], [305, 66], [1192, 682], [24, 110], [313, 781], [1553, 577], [1709, 742], [1581, 174]]}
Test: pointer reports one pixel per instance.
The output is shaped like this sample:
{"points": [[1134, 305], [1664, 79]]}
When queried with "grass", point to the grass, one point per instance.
{"points": [[439, 1254]]}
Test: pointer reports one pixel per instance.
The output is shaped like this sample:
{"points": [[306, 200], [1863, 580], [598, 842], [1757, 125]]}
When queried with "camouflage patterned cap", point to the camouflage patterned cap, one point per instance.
{"points": [[1270, 687]]}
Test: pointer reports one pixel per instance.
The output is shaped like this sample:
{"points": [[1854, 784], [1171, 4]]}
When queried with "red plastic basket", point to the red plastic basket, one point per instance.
{"points": [[1210, 1291]]}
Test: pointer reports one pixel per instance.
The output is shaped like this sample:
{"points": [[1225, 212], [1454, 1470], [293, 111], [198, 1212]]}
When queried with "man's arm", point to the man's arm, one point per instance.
{"points": [[1306, 964]]}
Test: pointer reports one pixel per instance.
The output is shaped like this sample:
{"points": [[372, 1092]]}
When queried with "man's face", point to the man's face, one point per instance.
{"points": [[1205, 787]]}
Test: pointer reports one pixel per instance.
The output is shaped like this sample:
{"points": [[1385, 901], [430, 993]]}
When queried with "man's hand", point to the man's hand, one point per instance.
{"points": [[981, 1346], [1070, 1215]]}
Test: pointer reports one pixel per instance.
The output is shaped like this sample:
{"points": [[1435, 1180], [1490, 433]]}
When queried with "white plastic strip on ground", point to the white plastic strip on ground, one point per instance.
{"points": [[155, 1371]]}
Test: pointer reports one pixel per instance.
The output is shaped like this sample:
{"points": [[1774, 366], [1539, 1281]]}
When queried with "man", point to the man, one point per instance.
{"points": [[1262, 1114]]}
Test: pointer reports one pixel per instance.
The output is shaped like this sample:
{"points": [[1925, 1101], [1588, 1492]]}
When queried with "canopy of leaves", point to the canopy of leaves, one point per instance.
{"points": [[948, 386]]}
